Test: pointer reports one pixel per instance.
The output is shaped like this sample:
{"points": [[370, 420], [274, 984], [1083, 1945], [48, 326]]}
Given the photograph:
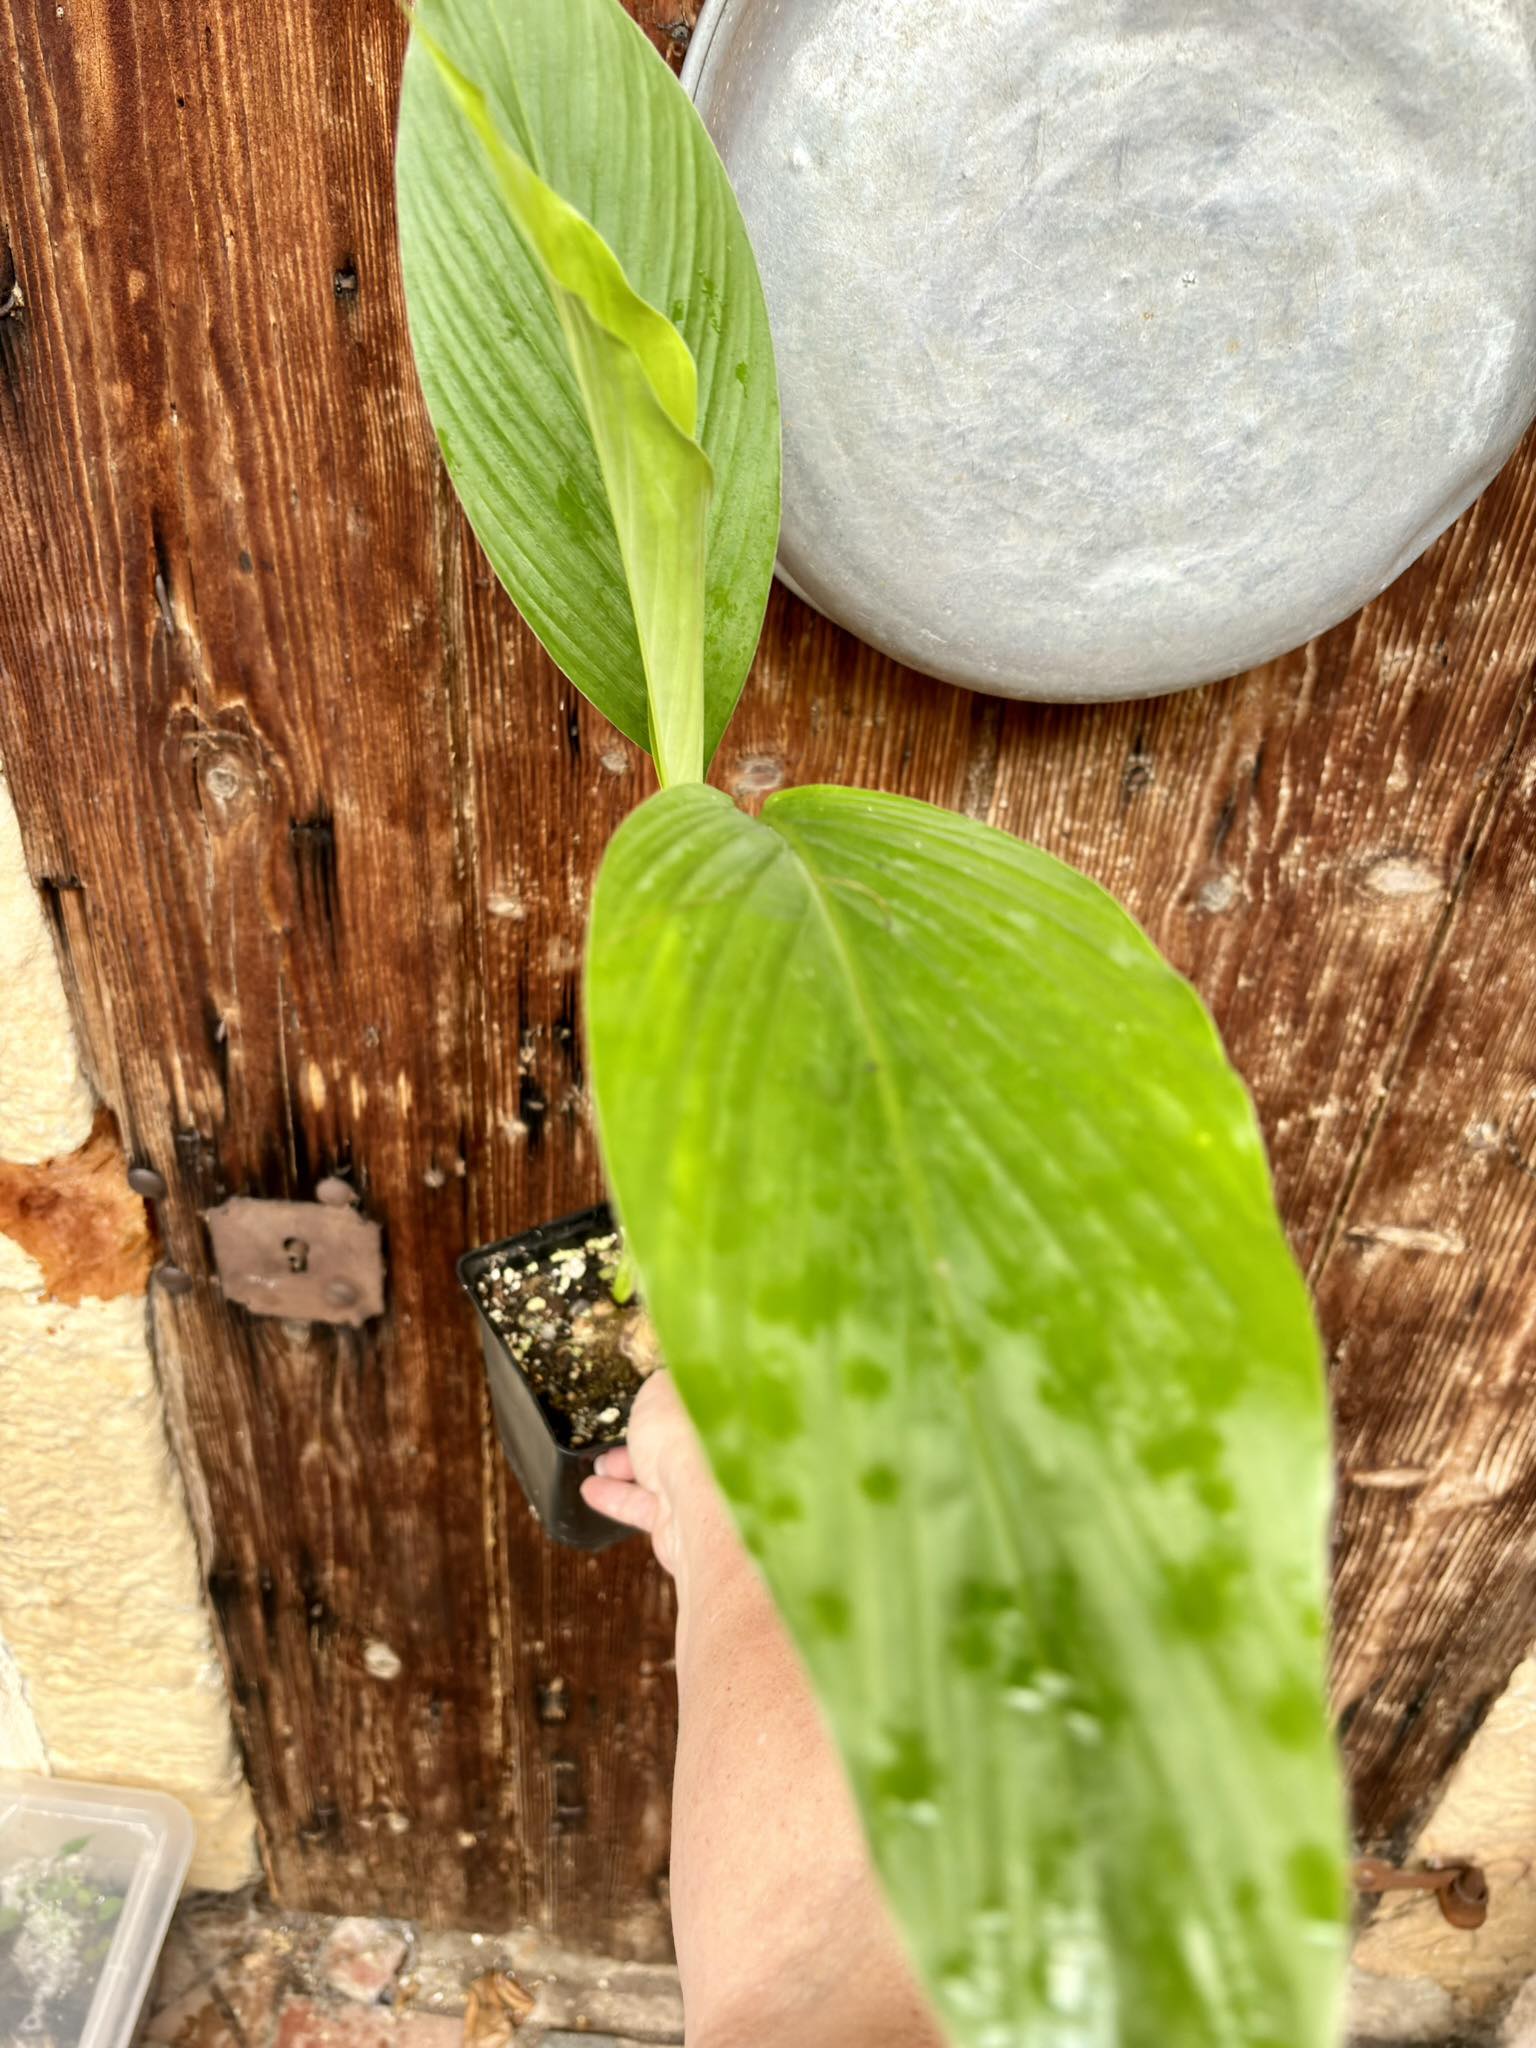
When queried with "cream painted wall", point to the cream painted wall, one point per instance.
{"points": [[45, 1106], [107, 1663], [21, 1740]]}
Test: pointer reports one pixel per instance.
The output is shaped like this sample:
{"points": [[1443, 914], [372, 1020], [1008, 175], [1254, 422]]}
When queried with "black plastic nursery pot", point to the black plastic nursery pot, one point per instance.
{"points": [[560, 1355]]}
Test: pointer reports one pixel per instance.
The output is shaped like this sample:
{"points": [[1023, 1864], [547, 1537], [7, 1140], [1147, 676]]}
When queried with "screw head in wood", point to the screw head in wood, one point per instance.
{"points": [[174, 1279], [335, 1192], [340, 1293], [146, 1182]]}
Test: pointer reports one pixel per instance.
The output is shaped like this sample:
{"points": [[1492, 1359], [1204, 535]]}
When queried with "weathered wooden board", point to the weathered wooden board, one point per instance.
{"points": [[1429, 1291], [317, 823]]}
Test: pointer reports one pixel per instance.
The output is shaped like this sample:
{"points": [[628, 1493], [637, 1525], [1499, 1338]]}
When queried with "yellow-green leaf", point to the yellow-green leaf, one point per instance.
{"points": [[956, 1229], [592, 342]]}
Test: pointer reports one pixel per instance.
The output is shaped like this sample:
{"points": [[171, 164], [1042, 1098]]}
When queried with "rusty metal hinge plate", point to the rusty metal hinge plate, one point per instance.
{"points": [[306, 1261]]}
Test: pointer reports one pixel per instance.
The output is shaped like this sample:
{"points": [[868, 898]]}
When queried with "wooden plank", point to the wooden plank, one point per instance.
{"points": [[318, 824], [278, 748], [1427, 1289]]}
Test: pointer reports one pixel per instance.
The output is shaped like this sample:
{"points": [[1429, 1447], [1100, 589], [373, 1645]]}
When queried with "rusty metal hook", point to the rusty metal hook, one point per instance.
{"points": [[1460, 1888]]}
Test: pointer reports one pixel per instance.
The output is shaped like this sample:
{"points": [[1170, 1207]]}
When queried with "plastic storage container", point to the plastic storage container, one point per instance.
{"points": [[89, 1878], [549, 1472]]}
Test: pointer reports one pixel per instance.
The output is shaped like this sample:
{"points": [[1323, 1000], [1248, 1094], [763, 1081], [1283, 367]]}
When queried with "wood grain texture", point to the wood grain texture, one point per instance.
{"points": [[317, 824], [1429, 1290]]}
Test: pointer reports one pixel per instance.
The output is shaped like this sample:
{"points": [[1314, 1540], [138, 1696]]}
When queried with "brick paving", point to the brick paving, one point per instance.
{"points": [[237, 1973]]}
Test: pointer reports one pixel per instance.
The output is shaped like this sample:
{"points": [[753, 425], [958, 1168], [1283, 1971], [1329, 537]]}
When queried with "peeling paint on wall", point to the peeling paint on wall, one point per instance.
{"points": [[107, 1662], [75, 1221]]}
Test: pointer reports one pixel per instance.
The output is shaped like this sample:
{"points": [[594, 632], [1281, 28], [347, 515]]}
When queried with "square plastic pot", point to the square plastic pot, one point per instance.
{"points": [[549, 1473]]}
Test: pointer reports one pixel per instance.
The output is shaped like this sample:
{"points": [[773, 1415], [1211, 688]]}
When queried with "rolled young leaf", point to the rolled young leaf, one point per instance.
{"points": [[640, 390], [957, 1232], [576, 494]]}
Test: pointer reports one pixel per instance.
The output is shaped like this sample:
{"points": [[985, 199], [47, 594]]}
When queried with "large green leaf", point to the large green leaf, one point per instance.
{"points": [[957, 1232], [551, 234], [639, 386]]}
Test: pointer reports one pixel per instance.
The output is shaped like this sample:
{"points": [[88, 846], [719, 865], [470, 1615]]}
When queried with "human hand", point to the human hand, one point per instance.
{"points": [[659, 1481]]}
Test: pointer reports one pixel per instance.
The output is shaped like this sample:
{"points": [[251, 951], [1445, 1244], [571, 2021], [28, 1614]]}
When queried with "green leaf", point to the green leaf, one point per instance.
{"points": [[10, 1919], [957, 1232], [640, 389], [623, 1288], [560, 207], [73, 1848], [108, 1909]]}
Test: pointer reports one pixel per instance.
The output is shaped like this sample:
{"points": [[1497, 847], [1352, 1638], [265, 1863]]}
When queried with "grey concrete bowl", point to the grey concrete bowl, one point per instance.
{"points": [[1127, 343]]}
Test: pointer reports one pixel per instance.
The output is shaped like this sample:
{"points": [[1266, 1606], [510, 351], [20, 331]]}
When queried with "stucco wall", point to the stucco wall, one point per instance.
{"points": [[45, 1106], [21, 1740], [107, 1664]]}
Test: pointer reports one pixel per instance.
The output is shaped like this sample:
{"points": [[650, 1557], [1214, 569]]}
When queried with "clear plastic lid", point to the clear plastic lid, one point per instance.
{"points": [[89, 1878]]}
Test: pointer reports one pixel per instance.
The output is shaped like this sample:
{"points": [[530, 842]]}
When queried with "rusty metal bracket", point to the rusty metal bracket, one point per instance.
{"points": [[1461, 1888], [314, 1262]]}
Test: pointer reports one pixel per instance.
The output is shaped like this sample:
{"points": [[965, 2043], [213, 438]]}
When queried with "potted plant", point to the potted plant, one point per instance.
{"points": [[952, 1221], [567, 1346]]}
